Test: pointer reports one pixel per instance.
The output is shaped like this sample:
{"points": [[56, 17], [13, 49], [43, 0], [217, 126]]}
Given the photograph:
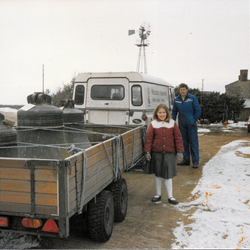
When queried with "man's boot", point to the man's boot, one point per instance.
{"points": [[184, 162]]}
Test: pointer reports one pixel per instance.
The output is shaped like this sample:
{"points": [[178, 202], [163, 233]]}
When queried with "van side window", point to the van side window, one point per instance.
{"points": [[79, 94], [107, 92], [136, 94]]}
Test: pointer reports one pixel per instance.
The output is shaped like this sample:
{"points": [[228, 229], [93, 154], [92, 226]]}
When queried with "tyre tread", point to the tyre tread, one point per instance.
{"points": [[115, 188], [96, 217]]}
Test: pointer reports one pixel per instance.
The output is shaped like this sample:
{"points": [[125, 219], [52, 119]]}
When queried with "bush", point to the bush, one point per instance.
{"points": [[216, 106], [65, 92]]}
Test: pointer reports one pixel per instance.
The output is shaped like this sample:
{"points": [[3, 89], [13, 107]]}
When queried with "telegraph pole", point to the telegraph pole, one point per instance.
{"points": [[43, 79], [201, 98]]}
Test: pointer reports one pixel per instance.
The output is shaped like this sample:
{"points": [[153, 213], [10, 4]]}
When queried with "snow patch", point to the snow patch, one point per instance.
{"points": [[203, 130], [222, 216]]}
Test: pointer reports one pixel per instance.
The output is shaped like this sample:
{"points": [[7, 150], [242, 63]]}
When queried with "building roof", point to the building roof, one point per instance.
{"points": [[237, 82]]}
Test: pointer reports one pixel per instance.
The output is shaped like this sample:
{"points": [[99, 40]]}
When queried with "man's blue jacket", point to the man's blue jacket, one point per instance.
{"points": [[189, 110]]}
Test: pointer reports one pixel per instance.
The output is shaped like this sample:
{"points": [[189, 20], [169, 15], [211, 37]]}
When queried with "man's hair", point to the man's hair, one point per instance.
{"points": [[183, 85], [162, 106]]}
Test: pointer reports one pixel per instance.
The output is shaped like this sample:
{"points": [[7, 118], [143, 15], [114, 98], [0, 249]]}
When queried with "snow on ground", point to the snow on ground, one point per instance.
{"points": [[222, 216], [238, 124], [203, 130], [8, 110], [228, 128], [15, 241], [10, 115]]}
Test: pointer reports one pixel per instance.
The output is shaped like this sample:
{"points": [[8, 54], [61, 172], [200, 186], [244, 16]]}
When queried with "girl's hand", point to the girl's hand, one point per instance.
{"points": [[147, 156], [179, 155]]}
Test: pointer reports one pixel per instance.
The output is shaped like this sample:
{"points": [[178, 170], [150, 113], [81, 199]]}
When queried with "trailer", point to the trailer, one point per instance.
{"points": [[39, 196]]}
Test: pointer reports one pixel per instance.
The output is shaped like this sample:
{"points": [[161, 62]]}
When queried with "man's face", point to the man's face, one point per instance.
{"points": [[183, 91]]}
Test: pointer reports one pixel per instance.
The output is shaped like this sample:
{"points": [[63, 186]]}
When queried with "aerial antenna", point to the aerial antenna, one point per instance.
{"points": [[144, 32]]}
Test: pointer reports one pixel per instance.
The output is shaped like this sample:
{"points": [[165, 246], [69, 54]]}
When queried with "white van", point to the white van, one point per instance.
{"points": [[120, 98]]}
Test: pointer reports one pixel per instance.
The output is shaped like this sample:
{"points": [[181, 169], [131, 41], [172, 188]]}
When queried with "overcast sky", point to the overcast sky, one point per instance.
{"points": [[190, 40]]}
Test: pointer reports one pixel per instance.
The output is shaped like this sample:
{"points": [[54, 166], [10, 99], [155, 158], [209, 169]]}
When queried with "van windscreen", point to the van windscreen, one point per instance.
{"points": [[107, 92]]}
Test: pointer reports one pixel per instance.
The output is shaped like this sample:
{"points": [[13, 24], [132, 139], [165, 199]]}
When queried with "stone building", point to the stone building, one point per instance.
{"points": [[241, 88]]}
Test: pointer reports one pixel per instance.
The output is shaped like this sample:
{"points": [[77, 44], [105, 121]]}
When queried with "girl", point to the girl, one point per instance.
{"points": [[163, 141]]}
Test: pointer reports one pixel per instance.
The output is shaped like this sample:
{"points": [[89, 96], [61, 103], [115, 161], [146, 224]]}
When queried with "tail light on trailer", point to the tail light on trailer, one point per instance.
{"points": [[4, 221], [144, 117], [31, 223]]}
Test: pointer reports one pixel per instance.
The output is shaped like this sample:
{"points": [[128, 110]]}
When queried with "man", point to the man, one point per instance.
{"points": [[189, 111]]}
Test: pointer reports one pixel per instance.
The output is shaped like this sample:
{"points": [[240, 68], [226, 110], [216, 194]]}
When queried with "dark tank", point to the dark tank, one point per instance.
{"points": [[73, 120], [8, 139], [40, 129]]}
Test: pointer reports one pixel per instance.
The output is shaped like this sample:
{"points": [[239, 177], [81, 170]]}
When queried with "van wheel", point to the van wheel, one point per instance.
{"points": [[101, 217], [120, 193]]}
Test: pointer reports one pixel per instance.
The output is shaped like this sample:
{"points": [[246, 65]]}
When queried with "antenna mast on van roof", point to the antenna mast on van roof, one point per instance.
{"points": [[144, 32]]}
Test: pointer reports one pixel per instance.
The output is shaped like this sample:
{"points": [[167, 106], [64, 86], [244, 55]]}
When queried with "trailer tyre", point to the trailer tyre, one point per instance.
{"points": [[101, 217], [120, 193]]}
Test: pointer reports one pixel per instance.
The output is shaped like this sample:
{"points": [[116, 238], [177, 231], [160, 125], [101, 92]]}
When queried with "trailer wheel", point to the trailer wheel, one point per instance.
{"points": [[120, 193], [101, 217]]}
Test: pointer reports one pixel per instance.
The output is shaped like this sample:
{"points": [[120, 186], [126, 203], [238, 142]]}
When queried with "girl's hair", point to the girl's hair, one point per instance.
{"points": [[162, 106]]}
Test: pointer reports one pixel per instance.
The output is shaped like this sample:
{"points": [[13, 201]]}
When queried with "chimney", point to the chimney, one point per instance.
{"points": [[243, 75]]}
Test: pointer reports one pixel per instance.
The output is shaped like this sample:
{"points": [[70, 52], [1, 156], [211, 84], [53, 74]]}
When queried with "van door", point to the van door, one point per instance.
{"points": [[107, 101]]}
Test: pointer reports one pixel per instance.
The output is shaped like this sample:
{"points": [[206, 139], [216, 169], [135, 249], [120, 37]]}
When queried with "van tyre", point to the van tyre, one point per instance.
{"points": [[101, 217], [120, 194]]}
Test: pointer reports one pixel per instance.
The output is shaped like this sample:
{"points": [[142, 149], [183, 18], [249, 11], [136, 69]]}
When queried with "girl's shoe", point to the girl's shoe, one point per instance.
{"points": [[156, 198], [173, 201]]}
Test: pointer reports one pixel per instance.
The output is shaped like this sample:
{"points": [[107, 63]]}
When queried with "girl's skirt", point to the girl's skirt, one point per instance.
{"points": [[162, 165]]}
